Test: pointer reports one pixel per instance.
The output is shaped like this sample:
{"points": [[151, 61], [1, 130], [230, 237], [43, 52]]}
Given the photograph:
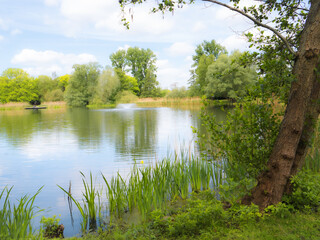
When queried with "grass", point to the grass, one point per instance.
{"points": [[146, 189], [169, 102], [15, 220], [204, 217]]}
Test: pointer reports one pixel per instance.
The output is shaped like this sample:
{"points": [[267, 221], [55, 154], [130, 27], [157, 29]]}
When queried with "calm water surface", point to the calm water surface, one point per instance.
{"points": [[50, 147]]}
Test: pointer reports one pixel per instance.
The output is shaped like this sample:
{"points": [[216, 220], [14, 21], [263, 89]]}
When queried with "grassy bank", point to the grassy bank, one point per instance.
{"points": [[169, 102], [23, 105]]}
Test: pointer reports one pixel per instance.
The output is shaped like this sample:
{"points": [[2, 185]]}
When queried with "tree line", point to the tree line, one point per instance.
{"points": [[214, 74]]}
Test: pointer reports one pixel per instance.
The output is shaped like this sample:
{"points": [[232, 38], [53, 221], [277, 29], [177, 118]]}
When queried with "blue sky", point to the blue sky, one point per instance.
{"points": [[46, 36]]}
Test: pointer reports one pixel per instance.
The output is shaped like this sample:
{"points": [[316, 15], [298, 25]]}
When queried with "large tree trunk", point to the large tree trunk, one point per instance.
{"points": [[297, 126]]}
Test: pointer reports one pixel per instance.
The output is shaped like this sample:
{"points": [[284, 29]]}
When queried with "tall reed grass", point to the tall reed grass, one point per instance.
{"points": [[90, 208], [147, 188], [15, 220]]}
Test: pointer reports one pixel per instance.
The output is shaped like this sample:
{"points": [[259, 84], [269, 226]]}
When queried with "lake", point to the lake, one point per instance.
{"points": [[51, 146]]}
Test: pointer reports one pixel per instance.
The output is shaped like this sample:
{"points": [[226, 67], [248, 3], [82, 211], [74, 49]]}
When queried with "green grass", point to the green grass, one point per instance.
{"points": [[15, 219], [204, 217]]}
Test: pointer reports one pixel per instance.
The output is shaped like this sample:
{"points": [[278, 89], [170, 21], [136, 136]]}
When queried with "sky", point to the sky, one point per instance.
{"points": [[50, 36]]}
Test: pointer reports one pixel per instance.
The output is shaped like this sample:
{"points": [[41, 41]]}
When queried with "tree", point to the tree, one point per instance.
{"points": [[141, 64], [17, 86], [295, 39], [127, 82], [119, 60], [226, 78], [108, 86], [82, 84], [206, 53], [63, 82]]}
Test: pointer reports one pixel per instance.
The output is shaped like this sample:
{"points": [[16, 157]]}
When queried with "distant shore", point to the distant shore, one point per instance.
{"points": [[23, 105], [141, 102]]}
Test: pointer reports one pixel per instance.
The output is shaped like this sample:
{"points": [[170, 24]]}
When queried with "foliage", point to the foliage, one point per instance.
{"points": [[141, 64], [244, 142], [17, 86], [127, 82], [306, 191], [126, 97], [226, 78], [15, 220], [63, 81], [206, 53], [178, 93], [108, 85], [51, 227], [82, 84], [48, 88], [313, 157], [55, 95]]}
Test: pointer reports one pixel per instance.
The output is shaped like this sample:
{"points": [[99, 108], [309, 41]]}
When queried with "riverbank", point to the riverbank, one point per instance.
{"points": [[23, 105]]}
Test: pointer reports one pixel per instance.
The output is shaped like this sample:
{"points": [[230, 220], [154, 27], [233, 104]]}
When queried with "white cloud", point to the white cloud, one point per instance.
{"points": [[199, 26], [1, 37], [169, 74], [47, 62], [234, 42], [125, 47], [3, 25], [16, 32], [52, 2], [180, 49]]}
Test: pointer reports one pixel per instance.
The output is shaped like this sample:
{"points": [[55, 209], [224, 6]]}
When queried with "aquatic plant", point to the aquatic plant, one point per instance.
{"points": [[91, 204], [15, 220]]}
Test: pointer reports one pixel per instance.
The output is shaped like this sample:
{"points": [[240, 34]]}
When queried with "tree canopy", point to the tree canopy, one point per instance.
{"points": [[140, 63]]}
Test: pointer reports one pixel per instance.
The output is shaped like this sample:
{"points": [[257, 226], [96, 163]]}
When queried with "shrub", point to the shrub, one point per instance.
{"points": [[305, 191]]}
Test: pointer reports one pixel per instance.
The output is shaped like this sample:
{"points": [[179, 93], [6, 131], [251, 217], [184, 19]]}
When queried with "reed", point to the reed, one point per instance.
{"points": [[15, 220], [91, 204], [147, 188]]}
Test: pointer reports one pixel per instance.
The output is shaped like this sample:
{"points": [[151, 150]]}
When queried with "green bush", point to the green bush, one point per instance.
{"points": [[305, 191], [126, 97]]}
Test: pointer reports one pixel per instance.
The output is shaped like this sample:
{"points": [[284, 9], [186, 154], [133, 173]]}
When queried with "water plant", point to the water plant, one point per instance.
{"points": [[51, 227], [91, 204], [15, 219]]}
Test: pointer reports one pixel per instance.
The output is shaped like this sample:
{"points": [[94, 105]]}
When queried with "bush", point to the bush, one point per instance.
{"points": [[305, 191], [126, 97], [55, 95]]}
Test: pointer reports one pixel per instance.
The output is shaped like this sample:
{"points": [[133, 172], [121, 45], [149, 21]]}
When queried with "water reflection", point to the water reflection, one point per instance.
{"points": [[50, 147]]}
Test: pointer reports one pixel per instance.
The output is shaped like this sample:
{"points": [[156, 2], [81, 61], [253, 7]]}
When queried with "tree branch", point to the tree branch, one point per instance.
{"points": [[256, 22]]}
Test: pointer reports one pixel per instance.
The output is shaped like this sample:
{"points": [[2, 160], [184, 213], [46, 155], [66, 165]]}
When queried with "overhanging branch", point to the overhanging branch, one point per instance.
{"points": [[284, 40]]}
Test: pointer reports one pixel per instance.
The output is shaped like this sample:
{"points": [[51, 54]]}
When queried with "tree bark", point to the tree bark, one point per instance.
{"points": [[302, 111]]}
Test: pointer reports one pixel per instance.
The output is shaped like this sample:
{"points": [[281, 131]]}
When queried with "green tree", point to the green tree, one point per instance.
{"points": [[82, 84], [45, 85], [205, 54], [141, 65], [295, 42], [108, 86], [17, 86], [63, 82], [227, 78], [128, 83], [119, 59]]}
